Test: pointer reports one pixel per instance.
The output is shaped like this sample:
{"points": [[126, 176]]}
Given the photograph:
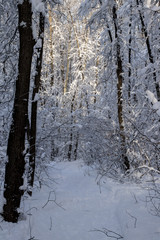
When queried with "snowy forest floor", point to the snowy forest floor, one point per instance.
{"points": [[75, 207]]}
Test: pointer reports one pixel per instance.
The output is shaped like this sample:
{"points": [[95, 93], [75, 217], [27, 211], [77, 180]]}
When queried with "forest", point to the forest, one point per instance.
{"points": [[79, 82]]}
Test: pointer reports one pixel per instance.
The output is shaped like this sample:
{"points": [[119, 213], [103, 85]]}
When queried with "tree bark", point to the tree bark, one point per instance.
{"points": [[51, 45], [150, 54], [68, 63], [130, 55], [119, 71], [33, 129], [16, 141]]}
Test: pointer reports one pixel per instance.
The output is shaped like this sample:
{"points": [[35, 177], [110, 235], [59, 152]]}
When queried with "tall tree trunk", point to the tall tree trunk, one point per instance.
{"points": [[71, 131], [51, 45], [129, 55], [148, 44], [68, 63], [16, 141], [119, 72], [74, 136], [32, 149]]}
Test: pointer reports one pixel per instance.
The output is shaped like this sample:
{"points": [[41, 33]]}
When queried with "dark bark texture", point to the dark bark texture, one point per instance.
{"points": [[16, 141], [149, 49], [33, 129], [119, 71]]}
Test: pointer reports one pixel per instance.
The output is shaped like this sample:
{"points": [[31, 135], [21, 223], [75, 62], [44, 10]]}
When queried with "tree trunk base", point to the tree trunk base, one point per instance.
{"points": [[9, 214]]}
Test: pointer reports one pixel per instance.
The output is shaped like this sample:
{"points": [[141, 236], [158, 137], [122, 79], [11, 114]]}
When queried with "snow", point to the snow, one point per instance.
{"points": [[153, 100], [75, 207], [38, 43], [155, 8], [36, 97], [23, 24], [38, 6], [151, 97], [156, 106]]}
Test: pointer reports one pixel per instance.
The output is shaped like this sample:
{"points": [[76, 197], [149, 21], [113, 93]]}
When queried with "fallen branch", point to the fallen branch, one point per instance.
{"points": [[109, 233], [135, 219], [52, 200]]}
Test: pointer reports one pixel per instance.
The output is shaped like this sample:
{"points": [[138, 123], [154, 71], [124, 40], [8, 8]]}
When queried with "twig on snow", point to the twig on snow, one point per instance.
{"points": [[135, 219], [52, 200], [30, 231], [50, 224], [109, 233]]}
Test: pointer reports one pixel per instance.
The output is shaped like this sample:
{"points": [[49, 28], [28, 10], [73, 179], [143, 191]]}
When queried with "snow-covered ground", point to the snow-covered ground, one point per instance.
{"points": [[77, 208]]}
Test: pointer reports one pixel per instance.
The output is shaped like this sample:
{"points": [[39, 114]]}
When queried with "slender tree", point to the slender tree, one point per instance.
{"points": [[130, 55], [119, 72], [37, 82], [51, 45], [149, 47]]}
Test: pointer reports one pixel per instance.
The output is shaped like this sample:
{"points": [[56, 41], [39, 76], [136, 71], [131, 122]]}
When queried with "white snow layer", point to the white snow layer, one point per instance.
{"points": [[38, 5], [81, 209], [154, 101]]}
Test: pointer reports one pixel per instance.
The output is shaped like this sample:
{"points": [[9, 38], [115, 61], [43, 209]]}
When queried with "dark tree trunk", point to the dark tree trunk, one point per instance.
{"points": [[37, 80], [148, 44], [76, 146], [119, 72], [51, 46], [130, 55], [16, 142], [74, 136], [71, 133]]}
